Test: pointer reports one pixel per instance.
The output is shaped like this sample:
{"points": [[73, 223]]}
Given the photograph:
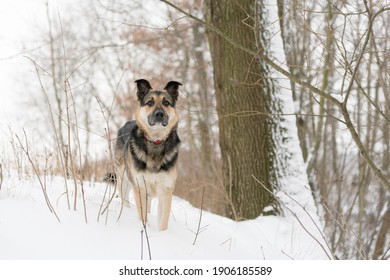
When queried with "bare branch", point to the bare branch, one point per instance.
{"points": [[26, 151], [341, 105]]}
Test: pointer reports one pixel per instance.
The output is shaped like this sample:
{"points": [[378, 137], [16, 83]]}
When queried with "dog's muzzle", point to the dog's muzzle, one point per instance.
{"points": [[158, 117]]}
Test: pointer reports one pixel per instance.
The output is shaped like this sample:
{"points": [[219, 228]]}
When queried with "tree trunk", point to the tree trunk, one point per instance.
{"points": [[244, 99]]}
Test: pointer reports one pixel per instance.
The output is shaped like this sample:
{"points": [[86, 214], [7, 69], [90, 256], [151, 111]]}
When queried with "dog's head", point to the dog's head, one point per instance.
{"points": [[157, 114]]}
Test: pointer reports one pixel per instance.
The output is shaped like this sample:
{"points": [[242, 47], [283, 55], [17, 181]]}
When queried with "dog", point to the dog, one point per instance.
{"points": [[147, 149]]}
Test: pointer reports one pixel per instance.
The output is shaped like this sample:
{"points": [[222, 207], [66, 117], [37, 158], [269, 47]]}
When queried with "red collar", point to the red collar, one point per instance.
{"points": [[157, 142]]}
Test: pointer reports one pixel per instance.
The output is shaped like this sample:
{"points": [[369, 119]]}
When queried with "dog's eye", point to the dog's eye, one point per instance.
{"points": [[166, 103], [150, 103]]}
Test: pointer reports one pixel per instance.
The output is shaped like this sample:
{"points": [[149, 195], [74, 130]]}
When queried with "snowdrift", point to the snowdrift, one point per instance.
{"points": [[28, 230]]}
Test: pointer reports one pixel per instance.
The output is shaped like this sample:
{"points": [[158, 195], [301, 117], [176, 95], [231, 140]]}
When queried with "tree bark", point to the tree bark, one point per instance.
{"points": [[244, 100]]}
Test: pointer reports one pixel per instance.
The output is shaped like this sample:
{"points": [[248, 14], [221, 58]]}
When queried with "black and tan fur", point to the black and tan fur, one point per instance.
{"points": [[147, 149]]}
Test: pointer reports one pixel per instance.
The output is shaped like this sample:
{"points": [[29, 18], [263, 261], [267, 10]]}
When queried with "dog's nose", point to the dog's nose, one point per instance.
{"points": [[159, 114]]}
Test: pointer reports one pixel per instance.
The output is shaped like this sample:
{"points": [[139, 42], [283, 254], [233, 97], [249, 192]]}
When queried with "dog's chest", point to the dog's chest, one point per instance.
{"points": [[155, 183], [147, 156], [154, 160]]}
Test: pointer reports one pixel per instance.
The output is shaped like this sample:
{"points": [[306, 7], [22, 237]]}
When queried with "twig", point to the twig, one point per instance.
{"points": [[77, 137], [144, 219], [111, 198], [54, 128], [68, 91], [107, 117], [241, 114], [101, 212], [291, 258], [198, 231], [226, 241], [310, 216], [36, 172], [262, 252], [142, 244], [120, 192], [297, 218]]}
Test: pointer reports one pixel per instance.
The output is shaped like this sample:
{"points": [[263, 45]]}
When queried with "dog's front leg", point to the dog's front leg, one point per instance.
{"points": [[164, 208]]}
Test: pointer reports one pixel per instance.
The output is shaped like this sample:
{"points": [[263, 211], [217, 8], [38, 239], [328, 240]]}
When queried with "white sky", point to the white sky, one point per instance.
{"points": [[19, 22], [22, 23]]}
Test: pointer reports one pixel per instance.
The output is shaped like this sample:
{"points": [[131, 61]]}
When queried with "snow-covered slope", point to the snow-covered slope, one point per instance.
{"points": [[29, 231]]}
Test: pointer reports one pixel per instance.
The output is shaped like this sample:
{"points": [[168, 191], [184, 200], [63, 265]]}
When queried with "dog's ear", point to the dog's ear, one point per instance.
{"points": [[143, 87], [172, 88]]}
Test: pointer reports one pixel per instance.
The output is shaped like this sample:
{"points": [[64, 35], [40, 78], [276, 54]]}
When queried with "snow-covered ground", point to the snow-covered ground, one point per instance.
{"points": [[28, 230]]}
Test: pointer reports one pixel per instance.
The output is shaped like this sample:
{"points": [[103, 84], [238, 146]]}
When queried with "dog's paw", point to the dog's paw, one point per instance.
{"points": [[110, 177]]}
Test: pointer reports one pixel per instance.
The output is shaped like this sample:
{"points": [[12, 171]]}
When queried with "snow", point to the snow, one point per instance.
{"points": [[28, 230]]}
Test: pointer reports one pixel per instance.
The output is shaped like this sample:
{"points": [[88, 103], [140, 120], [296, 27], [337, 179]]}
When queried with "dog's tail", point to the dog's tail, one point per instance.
{"points": [[110, 178]]}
